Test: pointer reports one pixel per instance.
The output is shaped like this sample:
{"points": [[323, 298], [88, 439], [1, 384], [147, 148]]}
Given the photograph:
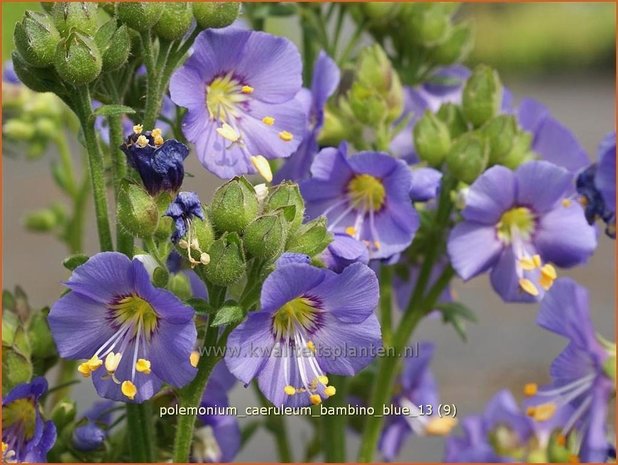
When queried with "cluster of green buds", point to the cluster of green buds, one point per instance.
{"points": [[473, 136], [372, 103], [424, 35], [245, 224], [27, 346]]}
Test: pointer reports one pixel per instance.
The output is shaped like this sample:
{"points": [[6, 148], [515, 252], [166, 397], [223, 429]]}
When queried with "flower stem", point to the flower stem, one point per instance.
{"points": [[191, 395], [141, 429], [386, 303], [334, 426], [276, 425], [96, 169]]}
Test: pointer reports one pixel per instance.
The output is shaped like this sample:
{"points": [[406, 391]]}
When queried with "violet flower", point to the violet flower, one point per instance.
{"points": [[133, 336]]}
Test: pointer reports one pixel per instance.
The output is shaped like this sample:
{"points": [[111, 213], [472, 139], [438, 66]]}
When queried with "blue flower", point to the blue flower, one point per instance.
{"points": [[26, 437], [323, 84], [312, 322], [514, 223], [581, 382], [132, 335], [91, 435], [425, 184], [182, 210], [343, 251], [159, 163], [366, 196], [239, 88]]}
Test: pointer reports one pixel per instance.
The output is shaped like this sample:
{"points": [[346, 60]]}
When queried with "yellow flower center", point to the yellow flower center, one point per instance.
{"points": [[519, 220], [298, 312], [366, 192], [20, 414], [223, 95], [135, 310]]}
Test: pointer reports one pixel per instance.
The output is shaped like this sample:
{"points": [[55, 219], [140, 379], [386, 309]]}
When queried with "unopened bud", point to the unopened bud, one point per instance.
{"points": [[311, 238], [468, 157], [34, 78], [482, 95], [175, 20], [42, 220], [140, 16], [36, 39], [75, 16], [287, 194], [500, 132], [234, 206], [63, 413], [429, 24], [78, 60], [520, 152], [456, 47], [265, 236], [215, 14], [451, 115], [227, 260], [16, 129], [137, 210], [114, 44], [431, 139]]}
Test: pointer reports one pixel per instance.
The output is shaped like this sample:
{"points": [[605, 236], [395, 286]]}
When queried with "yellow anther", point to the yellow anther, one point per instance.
{"points": [[228, 132], [542, 412], [84, 369], [286, 136], [204, 258], [142, 141], [246, 89], [377, 245], [323, 379], [440, 426], [330, 391], [194, 358], [527, 264], [549, 271], [530, 389], [112, 361], [536, 258], [183, 244], [263, 167], [156, 132], [315, 399], [143, 366], [311, 346], [566, 203], [138, 128], [128, 389], [350, 231], [158, 140], [268, 120], [5, 446], [528, 287], [289, 390], [573, 458]]}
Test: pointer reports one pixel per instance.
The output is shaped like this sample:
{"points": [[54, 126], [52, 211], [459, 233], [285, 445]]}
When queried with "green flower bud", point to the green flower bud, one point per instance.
{"points": [[36, 79], [234, 205], [609, 367], [47, 6], [175, 21], [16, 129], [285, 194], [520, 151], [63, 413], [311, 238], [335, 129], [431, 139], [10, 321], [227, 260], [16, 368], [109, 7], [114, 44], [137, 210], [43, 220], [180, 286], [36, 39], [141, 16], [557, 450], [375, 72], [451, 115], [39, 335], [265, 236], [429, 24], [78, 60], [380, 13], [456, 47], [500, 132], [367, 105], [75, 16], [482, 95], [468, 157], [215, 14]]}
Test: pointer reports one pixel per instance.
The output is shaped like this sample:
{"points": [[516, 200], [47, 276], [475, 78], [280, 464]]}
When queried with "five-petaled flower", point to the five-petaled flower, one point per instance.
{"points": [[515, 223], [26, 437], [239, 88], [366, 196], [132, 335], [312, 322]]}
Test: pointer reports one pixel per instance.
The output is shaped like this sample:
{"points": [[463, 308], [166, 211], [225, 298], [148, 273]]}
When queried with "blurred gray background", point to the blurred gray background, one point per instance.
{"points": [[505, 349]]}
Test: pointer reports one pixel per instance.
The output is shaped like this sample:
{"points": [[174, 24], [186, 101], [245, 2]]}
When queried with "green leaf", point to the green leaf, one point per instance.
{"points": [[112, 110], [200, 306], [16, 368], [456, 314], [160, 277], [73, 261], [8, 301], [231, 312]]}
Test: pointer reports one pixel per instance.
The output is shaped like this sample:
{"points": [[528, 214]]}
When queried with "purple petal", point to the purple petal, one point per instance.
{"points": [[505, 280], [169, 352], [555, 143], [393, 436], [323, 84], [473, 248], [541, 185], [490, 196], [289, 282], [425, 184], [605, 179]]}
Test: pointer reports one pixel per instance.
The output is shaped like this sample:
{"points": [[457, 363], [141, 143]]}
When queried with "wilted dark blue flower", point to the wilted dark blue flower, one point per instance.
{"points": [[158, 162], [26, 437], [366, 196], [133, 336], [517, 222], [183, 208], [323, 84], [416, 389], [582, 374], [91, 435], [312, 322]]}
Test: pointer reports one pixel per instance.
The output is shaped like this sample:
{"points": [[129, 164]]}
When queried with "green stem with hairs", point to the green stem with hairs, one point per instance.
{"points": [[140, 426]]}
